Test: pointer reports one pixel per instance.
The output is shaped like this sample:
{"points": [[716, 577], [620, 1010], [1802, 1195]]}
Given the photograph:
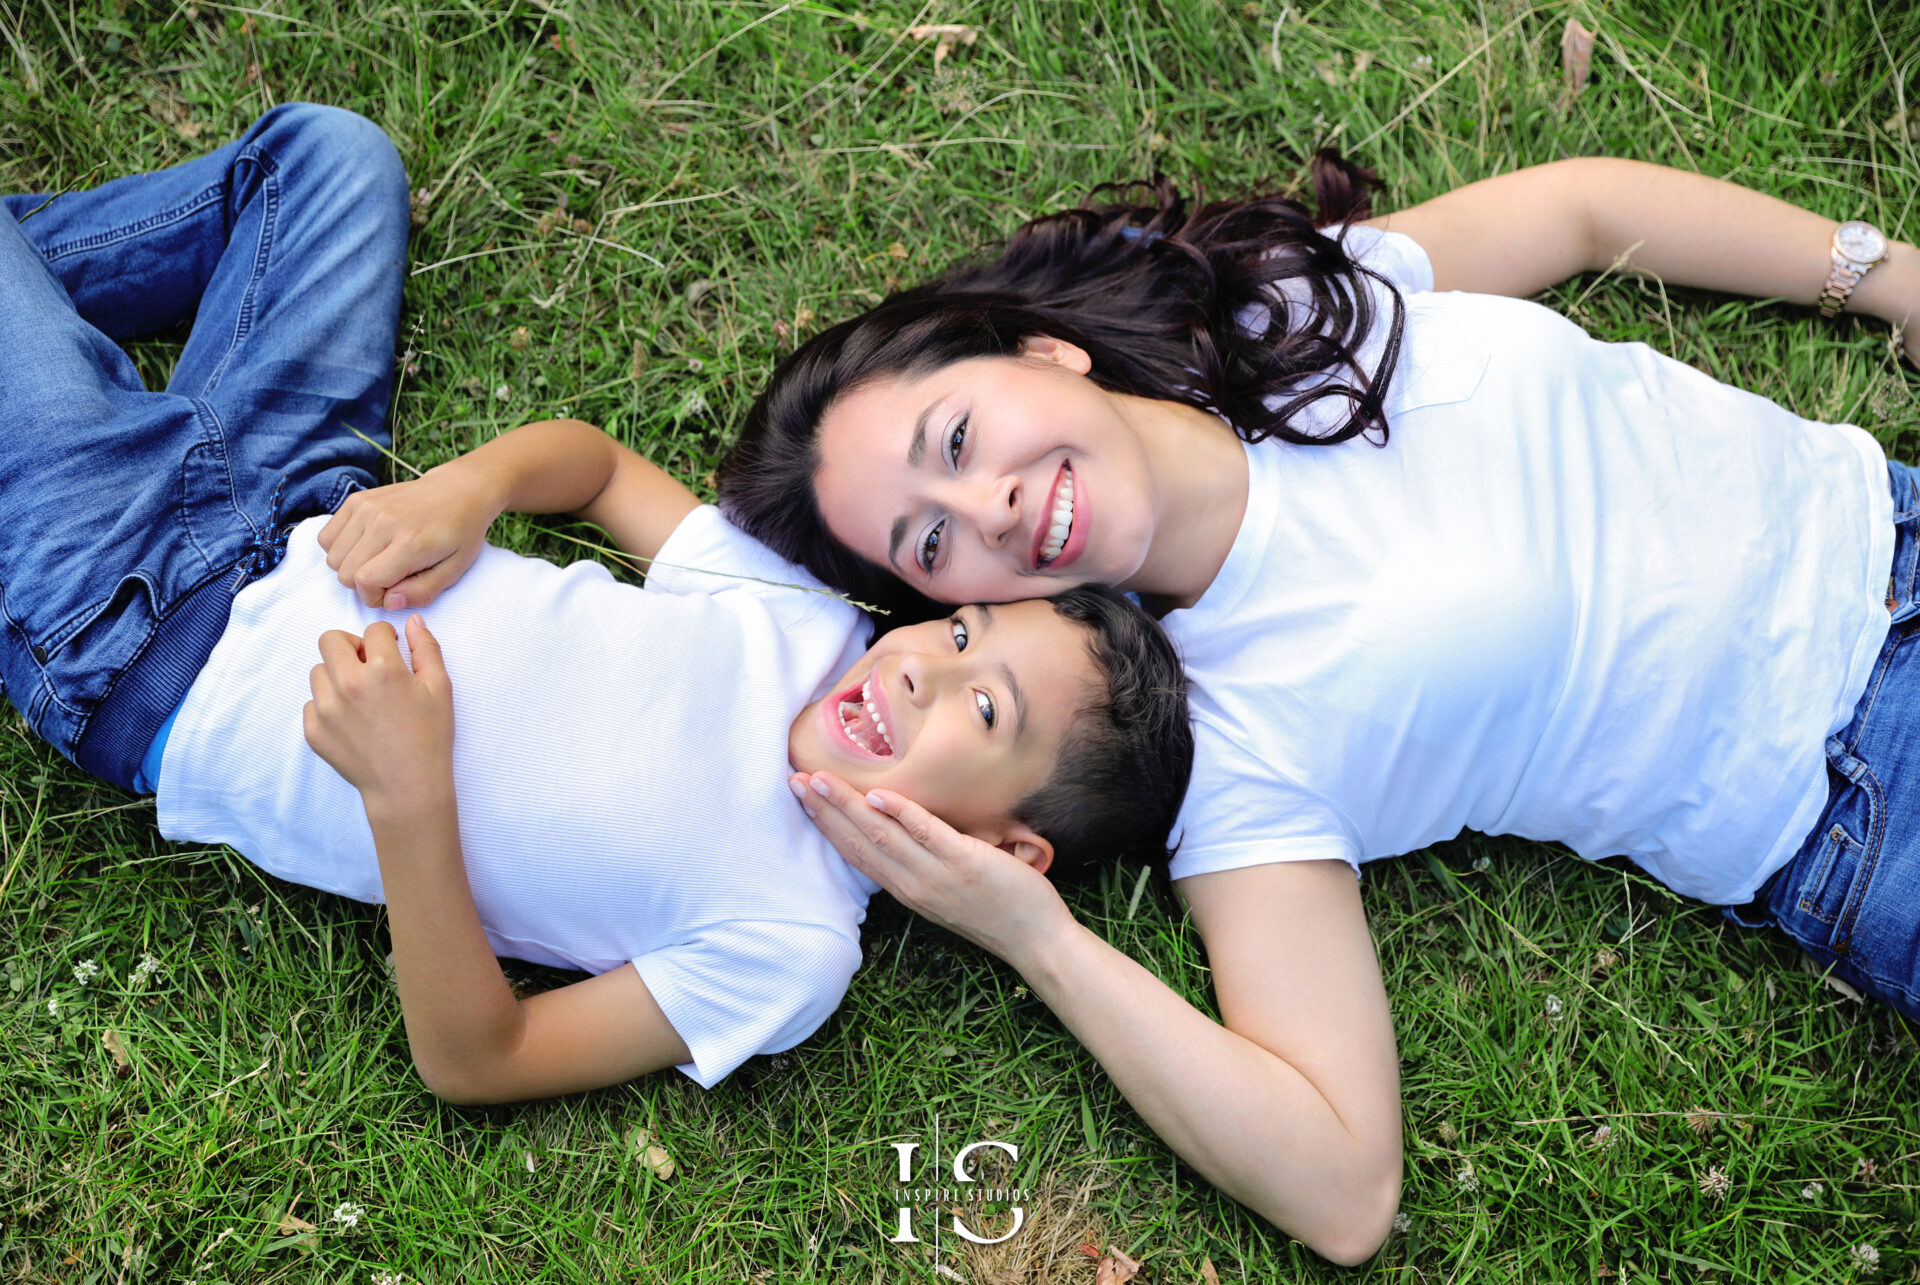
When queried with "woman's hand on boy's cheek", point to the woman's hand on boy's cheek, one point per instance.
{"points": [[964, 884], [387, 729], [401, 546]]}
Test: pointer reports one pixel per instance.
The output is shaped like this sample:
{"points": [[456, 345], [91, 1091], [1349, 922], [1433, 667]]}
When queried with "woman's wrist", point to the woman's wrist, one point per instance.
{"points": [[1891, 289]]}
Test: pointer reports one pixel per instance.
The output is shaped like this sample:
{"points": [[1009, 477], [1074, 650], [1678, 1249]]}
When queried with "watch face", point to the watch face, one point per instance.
{"points": [[1860, 242]]}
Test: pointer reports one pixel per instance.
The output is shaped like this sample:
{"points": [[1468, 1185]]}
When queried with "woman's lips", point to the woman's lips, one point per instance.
{"points": [[1076, 535]]}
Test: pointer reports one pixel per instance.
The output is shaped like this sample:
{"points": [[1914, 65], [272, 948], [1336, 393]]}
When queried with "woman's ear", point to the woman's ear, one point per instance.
{"points": [[1027, 845], [1057, 351]]}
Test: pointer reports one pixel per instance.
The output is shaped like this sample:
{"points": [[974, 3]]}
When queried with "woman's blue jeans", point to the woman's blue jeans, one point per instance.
{"points": [[1851, 895], [130, 517]]}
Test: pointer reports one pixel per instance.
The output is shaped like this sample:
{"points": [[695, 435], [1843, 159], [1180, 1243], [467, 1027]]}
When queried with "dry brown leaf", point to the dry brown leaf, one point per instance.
{"points": [[1207, 1275], [1576, 57], [122, 1064], [652, 1154], [520, 338], [639, 365], [291, 1226], [1116, 1268], [1361, 61], [946, 35]]}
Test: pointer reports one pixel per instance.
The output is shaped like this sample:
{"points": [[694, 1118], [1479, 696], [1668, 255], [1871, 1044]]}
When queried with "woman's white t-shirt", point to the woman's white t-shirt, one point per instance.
{"points": [[1585, 593]]}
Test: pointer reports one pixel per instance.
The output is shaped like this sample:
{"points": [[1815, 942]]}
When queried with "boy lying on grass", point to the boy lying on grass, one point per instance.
{"points": [[592, 773], [591, 776]]}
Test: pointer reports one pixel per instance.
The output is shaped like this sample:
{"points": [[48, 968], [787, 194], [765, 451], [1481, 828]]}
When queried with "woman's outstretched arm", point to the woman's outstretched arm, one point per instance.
{"points": [[1519, 233], [1292, 1107]]}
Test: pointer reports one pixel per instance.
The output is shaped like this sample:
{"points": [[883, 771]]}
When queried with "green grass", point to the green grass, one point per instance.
{"points": [[751, 171]]}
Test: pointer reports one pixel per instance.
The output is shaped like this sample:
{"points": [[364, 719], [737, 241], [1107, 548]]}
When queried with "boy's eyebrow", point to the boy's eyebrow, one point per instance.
{"points": [[985, 613]]}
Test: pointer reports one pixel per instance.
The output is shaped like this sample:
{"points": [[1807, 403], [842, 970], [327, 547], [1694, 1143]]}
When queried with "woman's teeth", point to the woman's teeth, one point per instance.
{"points": [[1061, 520], [860, 719]]}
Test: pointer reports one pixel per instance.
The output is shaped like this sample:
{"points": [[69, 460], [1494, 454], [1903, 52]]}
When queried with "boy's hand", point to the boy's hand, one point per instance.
{"points": [[964, 884], [400, 546], [387, 729]]}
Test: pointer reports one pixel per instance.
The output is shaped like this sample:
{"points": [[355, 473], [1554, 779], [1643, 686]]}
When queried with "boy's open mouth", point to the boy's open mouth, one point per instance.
{"points": [[860, 721]]}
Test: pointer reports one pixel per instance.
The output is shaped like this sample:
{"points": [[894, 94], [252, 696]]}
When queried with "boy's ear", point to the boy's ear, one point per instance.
{"points": [[1028, 845]]}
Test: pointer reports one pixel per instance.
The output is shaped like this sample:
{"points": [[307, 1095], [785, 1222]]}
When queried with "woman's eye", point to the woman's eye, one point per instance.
{"points": [[959, 633], [930, 548], [984, 703], [955, 440]]}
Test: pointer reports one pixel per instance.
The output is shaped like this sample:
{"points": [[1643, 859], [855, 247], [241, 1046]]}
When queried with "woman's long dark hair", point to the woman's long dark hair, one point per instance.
{"points": [[1238, 307]]}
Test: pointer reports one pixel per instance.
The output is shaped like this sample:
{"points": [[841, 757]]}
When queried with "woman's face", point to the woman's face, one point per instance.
{"points": [[989, 480]]}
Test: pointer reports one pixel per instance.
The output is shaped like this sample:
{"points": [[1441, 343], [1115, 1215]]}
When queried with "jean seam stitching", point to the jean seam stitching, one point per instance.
{"points": [[1865, 708], [195, 204], [1870, 857], [269, 224], [218, 442]]}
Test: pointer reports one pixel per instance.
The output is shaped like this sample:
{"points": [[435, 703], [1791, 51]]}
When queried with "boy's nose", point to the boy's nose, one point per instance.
{"points": [[915, 675]]}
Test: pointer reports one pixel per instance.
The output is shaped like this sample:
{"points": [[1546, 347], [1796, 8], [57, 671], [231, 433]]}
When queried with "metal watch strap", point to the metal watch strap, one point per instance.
{"points": [[1842, 277]]}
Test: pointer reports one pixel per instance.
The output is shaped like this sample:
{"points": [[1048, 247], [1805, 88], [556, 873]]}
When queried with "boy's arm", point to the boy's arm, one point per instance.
{"points": [[400, 546], [389, 732], [1519, 233]]}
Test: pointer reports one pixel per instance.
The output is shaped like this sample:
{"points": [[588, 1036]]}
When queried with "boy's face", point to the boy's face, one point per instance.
{"points": [[965, 716]]}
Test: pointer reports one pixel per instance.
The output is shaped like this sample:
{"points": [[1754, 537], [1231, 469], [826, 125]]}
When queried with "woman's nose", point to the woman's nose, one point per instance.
{"points": [[995, 507]]}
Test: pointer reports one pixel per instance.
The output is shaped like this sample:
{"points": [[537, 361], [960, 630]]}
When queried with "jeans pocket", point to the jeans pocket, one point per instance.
{"points": [[1821, 898]]}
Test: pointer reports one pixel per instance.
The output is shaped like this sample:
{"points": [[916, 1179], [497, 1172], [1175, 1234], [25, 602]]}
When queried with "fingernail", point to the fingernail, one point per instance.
{"points": [[809, 811], [820, 788], [396, 602], [799, 790], [874, 800]]}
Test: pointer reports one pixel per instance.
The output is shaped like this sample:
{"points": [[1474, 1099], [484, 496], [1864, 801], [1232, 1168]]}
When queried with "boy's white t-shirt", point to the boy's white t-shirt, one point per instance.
{"points": [[621, 761], [1585, 593]]}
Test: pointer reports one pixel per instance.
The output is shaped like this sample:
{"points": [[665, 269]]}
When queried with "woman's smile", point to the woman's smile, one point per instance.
{"points": [[1062, 529]]}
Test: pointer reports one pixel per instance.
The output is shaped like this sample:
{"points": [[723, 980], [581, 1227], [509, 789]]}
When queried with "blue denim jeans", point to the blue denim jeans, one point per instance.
{"points": [[1851, 895], [130, 517]]}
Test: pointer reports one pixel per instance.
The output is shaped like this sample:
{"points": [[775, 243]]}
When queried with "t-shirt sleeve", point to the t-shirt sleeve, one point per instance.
{"points": [[1240, 812], [746, 987], [1394, 255], [708, 554]]}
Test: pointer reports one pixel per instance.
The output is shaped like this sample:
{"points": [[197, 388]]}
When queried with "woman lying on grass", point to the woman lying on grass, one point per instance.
{"points": [[1435, 560], [595, 775]]}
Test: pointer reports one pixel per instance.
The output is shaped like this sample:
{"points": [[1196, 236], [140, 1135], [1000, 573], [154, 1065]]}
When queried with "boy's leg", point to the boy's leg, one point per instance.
{"points": [[127, 517]]}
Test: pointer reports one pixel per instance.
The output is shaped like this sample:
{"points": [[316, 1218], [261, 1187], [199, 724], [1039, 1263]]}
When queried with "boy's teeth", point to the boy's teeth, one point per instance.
{"points": [[862, 722]]}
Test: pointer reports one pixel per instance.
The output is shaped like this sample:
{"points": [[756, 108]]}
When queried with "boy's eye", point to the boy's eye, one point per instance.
{"points": [[930, 547], [955, 440], [984, 703], [959, 633]]}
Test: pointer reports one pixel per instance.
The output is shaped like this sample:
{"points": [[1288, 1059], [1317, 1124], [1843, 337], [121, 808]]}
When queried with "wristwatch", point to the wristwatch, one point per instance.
{"points": [[1857, 247]]}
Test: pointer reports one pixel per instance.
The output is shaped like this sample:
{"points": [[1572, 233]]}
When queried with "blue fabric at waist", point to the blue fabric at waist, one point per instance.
{"points": [[147, 780]]}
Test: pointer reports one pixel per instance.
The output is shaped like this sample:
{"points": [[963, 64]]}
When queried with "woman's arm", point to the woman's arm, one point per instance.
{"points": [[389, 731], [1522, 232], [400, 546], [1292, 1108]]}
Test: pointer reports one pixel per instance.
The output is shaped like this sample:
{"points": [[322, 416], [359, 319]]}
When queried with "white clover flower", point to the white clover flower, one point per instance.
{"points": [[389, 1278], [1715, 1184], [144, 970], [1601, 1138], [1402, 1223], [1480, 863], [1467, 1180], [85, 971], [503, 393], [1423, 63], [1812, 1190], [53, 1008], [1555, 1009], [348, 1216], [1866, 1257]]}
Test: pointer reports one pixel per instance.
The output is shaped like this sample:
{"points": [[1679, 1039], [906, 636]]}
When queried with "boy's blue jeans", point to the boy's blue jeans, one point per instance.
{"points": [[130, 517]]}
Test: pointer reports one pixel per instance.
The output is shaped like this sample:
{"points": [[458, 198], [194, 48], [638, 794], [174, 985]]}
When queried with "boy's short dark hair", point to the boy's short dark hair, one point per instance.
{"points": [[1124, 768]]}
